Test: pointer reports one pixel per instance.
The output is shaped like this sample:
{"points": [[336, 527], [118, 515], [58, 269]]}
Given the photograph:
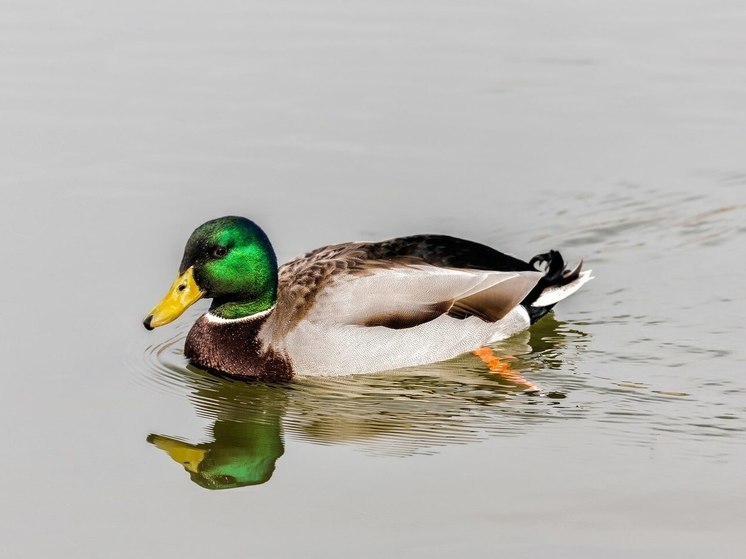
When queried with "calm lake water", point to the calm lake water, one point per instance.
{"points": [[614, 132]]}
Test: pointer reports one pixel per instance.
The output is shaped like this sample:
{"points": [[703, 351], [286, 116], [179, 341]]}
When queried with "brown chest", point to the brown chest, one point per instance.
{"points": [[233, 348]]}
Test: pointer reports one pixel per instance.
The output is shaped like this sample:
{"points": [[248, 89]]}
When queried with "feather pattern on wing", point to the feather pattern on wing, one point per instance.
{"points": [[352, 296], [372, 283]]}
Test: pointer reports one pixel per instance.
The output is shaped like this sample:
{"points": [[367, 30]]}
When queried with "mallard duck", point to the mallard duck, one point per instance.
{"points": [[359, 307]]}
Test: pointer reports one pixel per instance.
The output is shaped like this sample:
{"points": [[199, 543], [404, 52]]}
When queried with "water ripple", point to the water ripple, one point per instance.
{"points": [[634, 218], [403, 412]]}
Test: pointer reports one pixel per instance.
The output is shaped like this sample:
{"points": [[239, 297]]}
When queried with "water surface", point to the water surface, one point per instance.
{"points": [[613, 133]]}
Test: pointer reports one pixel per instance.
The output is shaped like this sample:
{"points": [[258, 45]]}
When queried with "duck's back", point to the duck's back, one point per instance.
{"points": [[366, 307]]}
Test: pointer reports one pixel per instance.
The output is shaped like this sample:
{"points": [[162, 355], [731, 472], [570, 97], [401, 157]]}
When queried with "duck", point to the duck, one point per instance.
{"points": [[355, 307]]}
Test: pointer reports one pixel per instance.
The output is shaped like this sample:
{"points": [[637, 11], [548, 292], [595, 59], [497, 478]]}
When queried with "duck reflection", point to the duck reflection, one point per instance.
{"points": [[402, 413], [246, 432]]}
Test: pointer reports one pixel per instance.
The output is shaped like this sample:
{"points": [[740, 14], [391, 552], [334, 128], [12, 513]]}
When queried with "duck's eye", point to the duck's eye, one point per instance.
{"points": [[219, 252]]}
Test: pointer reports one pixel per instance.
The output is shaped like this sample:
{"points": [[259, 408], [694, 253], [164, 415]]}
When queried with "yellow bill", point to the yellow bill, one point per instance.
{"points": [[189, 456], [183, 294]]}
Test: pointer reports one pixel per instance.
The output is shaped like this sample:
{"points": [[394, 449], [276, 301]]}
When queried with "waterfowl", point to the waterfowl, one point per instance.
{"points": [[359, 307]]}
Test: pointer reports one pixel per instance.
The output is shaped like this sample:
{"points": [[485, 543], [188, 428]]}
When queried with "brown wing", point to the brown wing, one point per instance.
{"points": [[402, 305], [301, 279]]}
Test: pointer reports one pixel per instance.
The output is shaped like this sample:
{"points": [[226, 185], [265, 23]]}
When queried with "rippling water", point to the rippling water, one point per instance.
{"points": [[399, 413], [614, 133]]}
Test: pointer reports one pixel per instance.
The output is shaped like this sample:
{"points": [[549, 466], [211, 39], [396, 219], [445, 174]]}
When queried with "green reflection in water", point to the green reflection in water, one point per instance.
{"points": [[247, 435], [402, 413]]}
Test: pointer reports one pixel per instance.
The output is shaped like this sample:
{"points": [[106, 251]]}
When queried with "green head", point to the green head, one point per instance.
{"points": [[229, 260]]}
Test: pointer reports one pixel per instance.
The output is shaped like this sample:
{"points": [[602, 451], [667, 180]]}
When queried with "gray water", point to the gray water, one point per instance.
{"points": [[611, 131]]}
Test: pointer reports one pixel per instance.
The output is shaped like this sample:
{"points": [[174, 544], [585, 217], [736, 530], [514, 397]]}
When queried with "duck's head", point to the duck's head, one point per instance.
{"points": [[229, 260]]}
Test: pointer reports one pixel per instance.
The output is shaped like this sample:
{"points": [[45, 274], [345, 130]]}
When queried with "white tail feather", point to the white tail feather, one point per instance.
{"points": [[552, 295]]}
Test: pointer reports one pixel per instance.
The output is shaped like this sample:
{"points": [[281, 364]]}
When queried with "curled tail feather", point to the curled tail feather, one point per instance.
{"points": [[558, 282]]}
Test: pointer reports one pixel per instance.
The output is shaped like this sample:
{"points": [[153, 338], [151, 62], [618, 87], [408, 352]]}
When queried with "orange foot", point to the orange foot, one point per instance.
{"points": [[503, 369]]}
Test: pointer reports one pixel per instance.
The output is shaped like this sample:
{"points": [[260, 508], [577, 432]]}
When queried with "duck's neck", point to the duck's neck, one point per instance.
{"points": [[240, 309]]}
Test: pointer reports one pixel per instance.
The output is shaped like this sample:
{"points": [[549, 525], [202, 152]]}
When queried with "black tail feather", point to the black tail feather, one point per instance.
{"points": [[555, 273]]}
